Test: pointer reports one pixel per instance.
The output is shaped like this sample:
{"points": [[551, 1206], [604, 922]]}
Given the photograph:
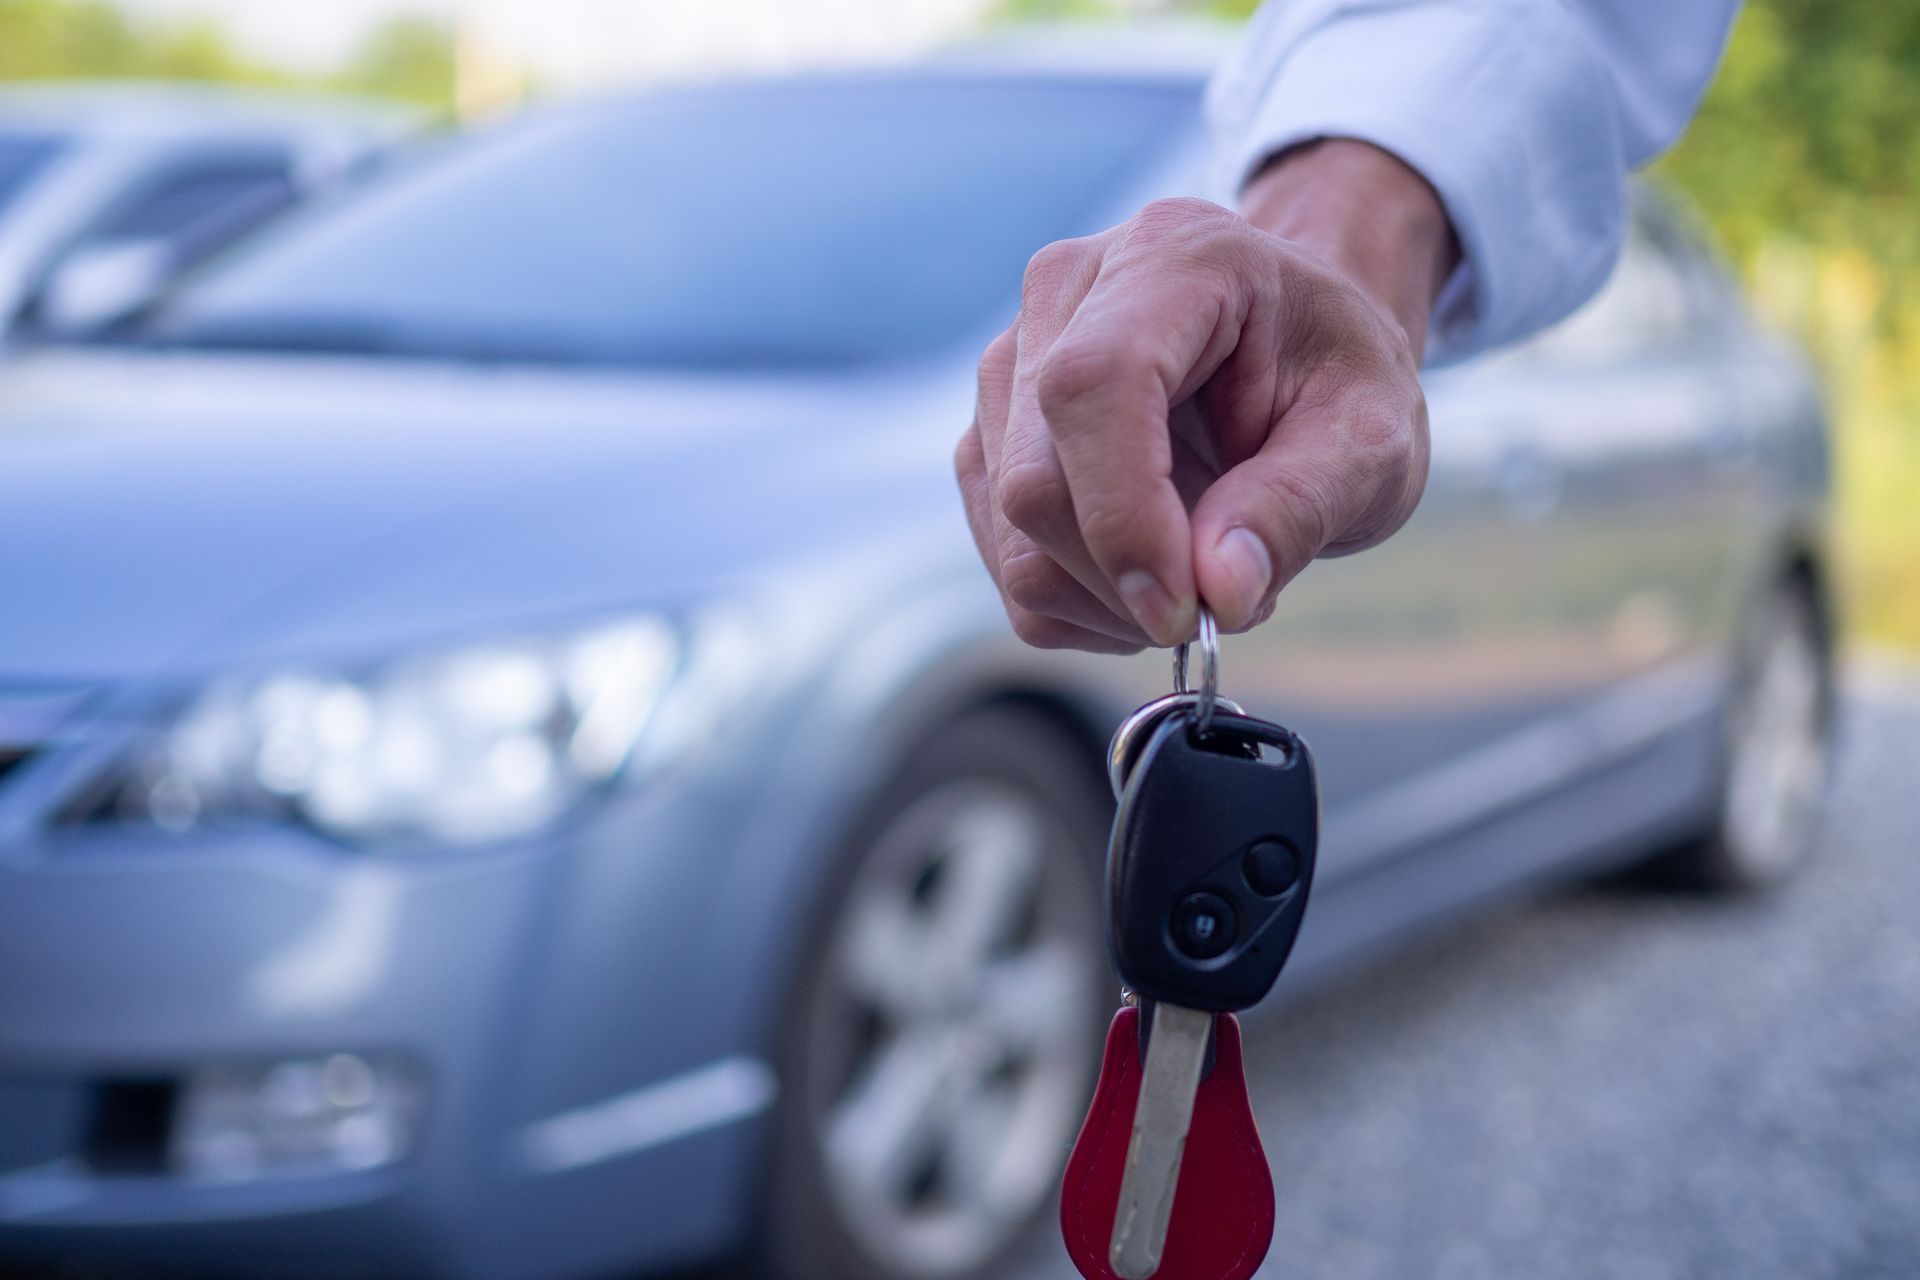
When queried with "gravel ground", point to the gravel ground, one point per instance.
{"points": [[1617, 1084]]}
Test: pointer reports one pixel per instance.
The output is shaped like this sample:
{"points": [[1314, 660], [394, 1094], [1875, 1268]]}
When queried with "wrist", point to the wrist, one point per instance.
{"points": [[1369, 215]]}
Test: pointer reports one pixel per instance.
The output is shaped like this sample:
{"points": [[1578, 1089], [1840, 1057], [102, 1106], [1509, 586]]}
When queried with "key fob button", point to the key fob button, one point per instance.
{"points": [[1204, 925], [1271, 867]]}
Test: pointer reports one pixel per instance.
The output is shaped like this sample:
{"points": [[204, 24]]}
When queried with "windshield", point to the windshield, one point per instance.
{"points": [[772, 226], [22, 156]]}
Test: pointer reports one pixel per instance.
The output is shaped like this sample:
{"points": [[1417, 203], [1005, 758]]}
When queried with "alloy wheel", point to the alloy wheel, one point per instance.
{"points": [[1777, 770], [953, 1028]]}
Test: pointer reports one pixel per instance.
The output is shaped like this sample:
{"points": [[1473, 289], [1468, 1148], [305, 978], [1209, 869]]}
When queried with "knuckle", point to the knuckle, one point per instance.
{"points": [[1382, 431], [1076, 370], [1304, 504], [1111, 532], [997, 361], [1201, 243], [1420, 455], [1171, 212], [1034, 495], [1039, 630], [1034, 581], [1379, 441], [994, 378], [1051, 268], [1394, 464], [969, 458]]}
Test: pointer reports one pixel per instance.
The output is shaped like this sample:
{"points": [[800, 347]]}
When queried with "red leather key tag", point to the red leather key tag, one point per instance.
{"points": [[1223, 1204]]}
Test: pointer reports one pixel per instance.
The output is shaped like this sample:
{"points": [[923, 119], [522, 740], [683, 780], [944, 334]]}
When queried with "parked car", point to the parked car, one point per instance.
{"points": [[108, 192], [513, 768]]}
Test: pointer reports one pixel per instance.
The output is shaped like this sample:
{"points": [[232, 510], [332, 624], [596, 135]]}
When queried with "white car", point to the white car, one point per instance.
{"points": [[107, 192]]}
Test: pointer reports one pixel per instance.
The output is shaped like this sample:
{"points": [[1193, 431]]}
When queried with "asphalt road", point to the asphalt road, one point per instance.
{"points": [[1613, 1083]]}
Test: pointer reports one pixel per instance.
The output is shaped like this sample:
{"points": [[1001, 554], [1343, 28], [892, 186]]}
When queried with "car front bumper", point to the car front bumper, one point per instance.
{"points": [[574, 1116]]}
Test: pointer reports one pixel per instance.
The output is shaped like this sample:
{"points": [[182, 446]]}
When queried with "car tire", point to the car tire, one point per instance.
{"points": [[946, 1021], [1776, 757]]}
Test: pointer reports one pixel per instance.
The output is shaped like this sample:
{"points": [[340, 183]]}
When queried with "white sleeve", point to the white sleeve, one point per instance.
{"points": [[1525, 115]]}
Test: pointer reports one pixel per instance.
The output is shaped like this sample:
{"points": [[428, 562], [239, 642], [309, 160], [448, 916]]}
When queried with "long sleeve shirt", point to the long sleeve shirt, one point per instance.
{"points": [[1526, 116]]}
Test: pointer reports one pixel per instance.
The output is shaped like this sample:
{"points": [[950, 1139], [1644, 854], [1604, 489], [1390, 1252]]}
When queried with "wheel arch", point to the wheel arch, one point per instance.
{"points": [[936, 677], [911, 719]]}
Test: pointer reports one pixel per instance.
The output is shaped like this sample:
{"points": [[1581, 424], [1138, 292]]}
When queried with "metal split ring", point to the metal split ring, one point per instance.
{"points": [[1126, 742], [1209, 691]]}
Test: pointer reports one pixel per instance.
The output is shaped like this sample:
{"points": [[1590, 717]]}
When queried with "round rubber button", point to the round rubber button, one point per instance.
{"points": [[1271, 867], [1204, 925]]}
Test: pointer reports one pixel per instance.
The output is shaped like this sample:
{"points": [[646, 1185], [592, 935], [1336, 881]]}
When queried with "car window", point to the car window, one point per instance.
{"points": [[799, 223], [172, 205], [22, 157]]}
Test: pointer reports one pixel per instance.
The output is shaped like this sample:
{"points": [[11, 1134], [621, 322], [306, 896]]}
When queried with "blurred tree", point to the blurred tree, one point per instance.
{"points": [[64, 38], [88, 38], [407, 57], [196, 51], [1071, 10], [1806, 158]]}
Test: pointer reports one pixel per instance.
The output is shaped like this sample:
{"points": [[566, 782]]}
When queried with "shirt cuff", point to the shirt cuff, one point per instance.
{"points": [[1500, 106]]}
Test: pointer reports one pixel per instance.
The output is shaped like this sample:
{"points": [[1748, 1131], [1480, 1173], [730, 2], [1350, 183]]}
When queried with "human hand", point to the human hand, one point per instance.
{"points": [[1191, 403]]}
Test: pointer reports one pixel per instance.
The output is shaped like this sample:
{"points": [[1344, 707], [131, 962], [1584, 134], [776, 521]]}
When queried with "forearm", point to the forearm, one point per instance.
{"points": [[1366, 213]]}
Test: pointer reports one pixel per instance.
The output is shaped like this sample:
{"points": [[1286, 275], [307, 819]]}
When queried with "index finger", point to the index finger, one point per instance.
{"points": [[1152, 327]]}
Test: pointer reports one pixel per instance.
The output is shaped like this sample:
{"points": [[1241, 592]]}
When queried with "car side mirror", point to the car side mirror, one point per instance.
{"points": [[99, 284]]}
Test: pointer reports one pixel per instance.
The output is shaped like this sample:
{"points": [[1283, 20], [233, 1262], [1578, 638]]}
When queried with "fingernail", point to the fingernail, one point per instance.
{"points": [[1149, 602], [1248, 567]]}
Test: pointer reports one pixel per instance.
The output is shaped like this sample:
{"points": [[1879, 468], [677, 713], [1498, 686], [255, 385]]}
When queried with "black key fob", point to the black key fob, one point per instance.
{"points": [[1211, 860]]}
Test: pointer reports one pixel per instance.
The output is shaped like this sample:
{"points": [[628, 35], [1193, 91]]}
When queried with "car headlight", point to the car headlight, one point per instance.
{"points": [[471, 744]]}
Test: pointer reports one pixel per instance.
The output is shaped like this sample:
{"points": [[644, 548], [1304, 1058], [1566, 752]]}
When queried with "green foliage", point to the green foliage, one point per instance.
{"points": [[1809, 130], [408, 58], [48, 37], [1053, 11], [90, 39], [1806, 159]]}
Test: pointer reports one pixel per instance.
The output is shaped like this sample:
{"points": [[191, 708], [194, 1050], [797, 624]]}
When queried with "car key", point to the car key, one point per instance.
{"points": [[1208, 874], [1209, 870]]}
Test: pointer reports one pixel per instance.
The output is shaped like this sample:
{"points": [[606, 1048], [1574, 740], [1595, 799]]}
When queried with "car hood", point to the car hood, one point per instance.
{"points": [[172, 514]]}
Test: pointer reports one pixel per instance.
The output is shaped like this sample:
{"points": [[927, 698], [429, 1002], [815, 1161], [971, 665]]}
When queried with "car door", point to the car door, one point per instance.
{"points": [[1551, 603], [1402, 661], [1627, 471]]}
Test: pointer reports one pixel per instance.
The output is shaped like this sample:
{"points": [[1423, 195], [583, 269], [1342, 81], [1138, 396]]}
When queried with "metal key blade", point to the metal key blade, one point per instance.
{"points": [[1176, 1057]]}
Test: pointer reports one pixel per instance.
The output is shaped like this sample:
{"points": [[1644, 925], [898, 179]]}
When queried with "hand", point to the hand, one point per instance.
{"points": [[1191, 403]]}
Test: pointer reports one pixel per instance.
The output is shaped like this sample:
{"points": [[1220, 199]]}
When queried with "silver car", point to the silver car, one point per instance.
{"points": [[108, 191], [510, 766]]}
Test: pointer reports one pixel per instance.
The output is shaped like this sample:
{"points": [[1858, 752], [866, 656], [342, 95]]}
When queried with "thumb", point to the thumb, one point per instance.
{"points": [[1255, 528]]}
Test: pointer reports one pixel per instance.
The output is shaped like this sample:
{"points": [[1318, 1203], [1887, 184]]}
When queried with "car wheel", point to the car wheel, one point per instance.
{"points": [[948, 1021], [1778, 755]]}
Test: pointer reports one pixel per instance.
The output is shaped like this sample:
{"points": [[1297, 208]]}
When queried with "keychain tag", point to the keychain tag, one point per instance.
{"points": [[1223, 1203]]}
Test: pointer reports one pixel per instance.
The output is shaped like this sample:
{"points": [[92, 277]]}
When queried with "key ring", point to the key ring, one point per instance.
{"points": [[1209, 691], [1121, 748]]}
